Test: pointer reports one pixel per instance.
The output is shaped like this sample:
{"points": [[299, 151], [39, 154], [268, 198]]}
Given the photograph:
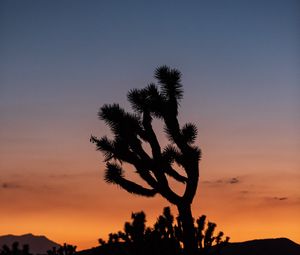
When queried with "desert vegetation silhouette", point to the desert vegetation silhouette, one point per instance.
{"points": [[66, 249], [164, 238], [131, 130], [15, 249]]}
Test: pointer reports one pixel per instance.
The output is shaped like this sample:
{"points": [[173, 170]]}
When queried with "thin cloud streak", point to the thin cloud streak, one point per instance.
{"points": [[224, 181]]}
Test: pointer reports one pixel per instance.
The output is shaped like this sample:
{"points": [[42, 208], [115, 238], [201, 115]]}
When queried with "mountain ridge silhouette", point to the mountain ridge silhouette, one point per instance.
{"points": [[38, 244]]}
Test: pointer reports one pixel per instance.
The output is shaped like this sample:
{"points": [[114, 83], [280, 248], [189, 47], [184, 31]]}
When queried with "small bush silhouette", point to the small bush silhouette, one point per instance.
{"points": [[15, 250], [66, 249]]}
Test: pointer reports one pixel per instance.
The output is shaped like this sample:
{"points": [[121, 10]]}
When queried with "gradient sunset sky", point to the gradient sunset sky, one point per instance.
{"points": [[62, 60]]}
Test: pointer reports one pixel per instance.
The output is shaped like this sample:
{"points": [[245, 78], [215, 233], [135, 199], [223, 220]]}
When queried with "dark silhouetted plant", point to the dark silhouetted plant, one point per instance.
{"points": [[66, 249], [164, 238], [15, 250], [131, 130]]}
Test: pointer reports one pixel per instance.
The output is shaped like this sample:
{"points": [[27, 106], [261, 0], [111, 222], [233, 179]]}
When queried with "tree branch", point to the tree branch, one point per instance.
{"points": [[169, 170], [137, 189], [114, 174], [151, 136]]}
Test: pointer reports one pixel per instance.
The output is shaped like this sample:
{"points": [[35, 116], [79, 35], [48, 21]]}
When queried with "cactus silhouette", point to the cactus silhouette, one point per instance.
{"points": [[131, 130], [164, 238]]}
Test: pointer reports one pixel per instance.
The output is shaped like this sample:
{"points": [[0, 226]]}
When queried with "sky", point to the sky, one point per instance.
{"points": [[62, 60]]}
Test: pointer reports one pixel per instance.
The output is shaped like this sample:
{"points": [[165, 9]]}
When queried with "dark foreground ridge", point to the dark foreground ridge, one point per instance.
{"points": [[276, 246], [37, 244]]}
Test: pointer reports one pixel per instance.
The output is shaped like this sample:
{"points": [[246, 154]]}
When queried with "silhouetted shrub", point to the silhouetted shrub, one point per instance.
{"points": [[15, 250], [66, 249]]}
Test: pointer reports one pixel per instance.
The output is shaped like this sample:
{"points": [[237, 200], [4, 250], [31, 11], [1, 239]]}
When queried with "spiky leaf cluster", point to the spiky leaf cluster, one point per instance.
{"points": [[189, 132], [170, 81]]}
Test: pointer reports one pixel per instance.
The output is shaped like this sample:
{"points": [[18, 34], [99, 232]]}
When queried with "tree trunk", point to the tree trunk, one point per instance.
{"points": [[188, 229]]}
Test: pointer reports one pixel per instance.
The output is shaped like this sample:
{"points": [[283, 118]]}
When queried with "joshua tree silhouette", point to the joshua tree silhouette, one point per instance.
{"points": [[131, 130]]}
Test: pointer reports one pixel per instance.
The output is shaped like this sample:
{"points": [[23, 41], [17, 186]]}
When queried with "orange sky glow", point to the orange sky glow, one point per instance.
{"points": [[73, 204]]}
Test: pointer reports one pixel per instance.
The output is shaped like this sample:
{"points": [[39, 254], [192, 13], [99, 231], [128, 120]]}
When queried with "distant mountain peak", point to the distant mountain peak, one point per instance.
{"points": [[38, 244]]}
